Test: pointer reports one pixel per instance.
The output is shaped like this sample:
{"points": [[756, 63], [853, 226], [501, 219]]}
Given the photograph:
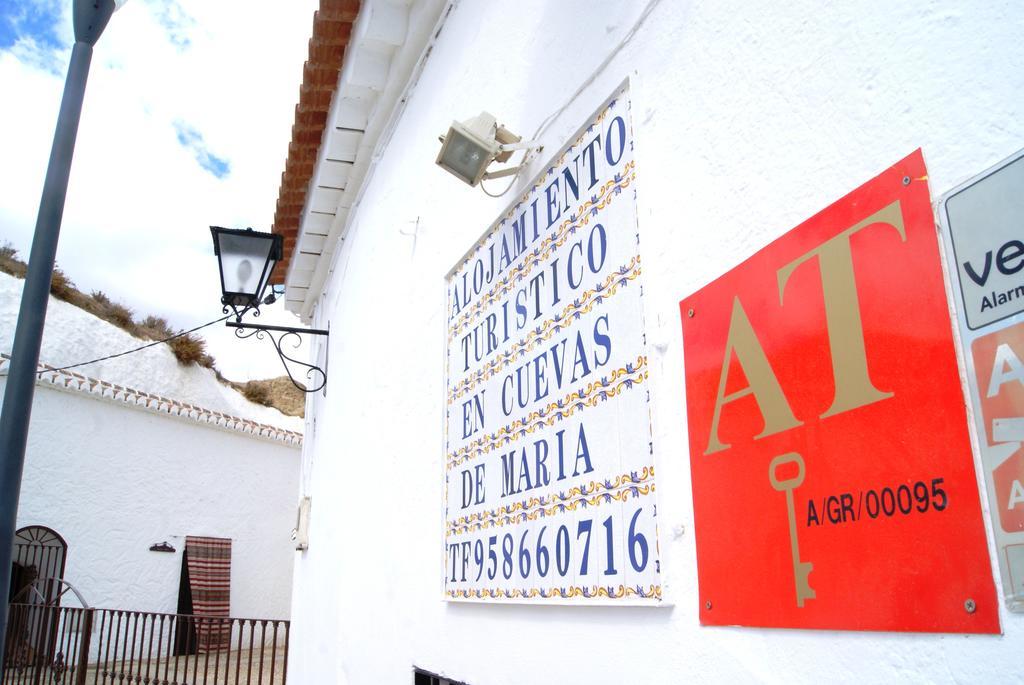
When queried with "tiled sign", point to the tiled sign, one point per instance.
{"points": [[550, 489], [833, 480]]}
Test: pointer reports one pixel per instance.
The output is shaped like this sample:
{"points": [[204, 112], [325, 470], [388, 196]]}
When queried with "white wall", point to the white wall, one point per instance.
{"points": [[749, 117], [114, 480]]}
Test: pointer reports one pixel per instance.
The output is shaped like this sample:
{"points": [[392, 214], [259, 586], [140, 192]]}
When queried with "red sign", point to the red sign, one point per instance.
{"points": [[999, 365], [833, 480]]}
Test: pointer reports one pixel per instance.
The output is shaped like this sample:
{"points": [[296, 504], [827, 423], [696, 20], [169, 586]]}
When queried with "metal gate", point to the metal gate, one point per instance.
{"points": [[37, 561], [39, 553]]}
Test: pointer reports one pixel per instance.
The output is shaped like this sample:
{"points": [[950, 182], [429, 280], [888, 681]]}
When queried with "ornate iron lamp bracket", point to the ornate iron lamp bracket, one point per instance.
{"points": [[314, 373], [239, 311]]}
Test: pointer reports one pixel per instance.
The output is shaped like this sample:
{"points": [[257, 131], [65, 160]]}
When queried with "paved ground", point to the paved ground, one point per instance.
{"points": [[227, 668]]}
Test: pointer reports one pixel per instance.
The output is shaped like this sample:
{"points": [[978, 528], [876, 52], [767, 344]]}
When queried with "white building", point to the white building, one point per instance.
{"points": [[138, 452], [747, 119], [115, 471]]}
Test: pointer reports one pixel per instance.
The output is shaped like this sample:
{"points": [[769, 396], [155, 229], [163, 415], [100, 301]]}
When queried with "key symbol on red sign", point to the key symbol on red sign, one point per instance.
{"points": [[801, 569]]}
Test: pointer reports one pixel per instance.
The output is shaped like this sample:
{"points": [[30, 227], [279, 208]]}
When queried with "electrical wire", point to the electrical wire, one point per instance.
{"points": [[137, 349], [572, 98], [269, 299]]}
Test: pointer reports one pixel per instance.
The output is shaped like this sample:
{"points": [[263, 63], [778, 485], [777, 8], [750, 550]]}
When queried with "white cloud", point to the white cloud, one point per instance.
{"points": [[140, 202], [29, 52]]}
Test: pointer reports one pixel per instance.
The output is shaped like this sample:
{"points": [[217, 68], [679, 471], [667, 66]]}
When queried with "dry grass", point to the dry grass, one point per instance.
{"points": [[9, 262], [260, 394], [155, 328], [120, 316], [274, 392], [61, 286], [189, 350]]}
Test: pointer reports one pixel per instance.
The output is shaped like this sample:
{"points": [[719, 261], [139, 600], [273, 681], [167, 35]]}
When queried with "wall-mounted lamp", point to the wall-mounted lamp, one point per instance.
{"points": [[161, 547], [247, 260], [471, 146]]}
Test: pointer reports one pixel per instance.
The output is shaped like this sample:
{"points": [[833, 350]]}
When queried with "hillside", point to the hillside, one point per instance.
{"points": [[74, 333]]}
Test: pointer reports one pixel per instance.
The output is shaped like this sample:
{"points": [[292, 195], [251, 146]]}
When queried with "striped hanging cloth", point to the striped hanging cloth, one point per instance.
{"points": [[209, 576]]}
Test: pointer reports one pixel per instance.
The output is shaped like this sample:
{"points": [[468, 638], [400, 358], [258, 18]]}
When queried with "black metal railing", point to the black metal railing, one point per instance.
{"points": [[74, 646]]}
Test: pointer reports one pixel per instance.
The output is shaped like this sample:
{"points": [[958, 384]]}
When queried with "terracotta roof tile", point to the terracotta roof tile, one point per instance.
{"points": [[332, 27]]}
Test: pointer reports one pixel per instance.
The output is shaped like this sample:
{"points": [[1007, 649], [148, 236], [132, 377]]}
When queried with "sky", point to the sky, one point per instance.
{"points": [[186, 124]]}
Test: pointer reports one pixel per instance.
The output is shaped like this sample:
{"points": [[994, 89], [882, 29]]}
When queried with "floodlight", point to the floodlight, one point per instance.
{"points": [[470, 147]]}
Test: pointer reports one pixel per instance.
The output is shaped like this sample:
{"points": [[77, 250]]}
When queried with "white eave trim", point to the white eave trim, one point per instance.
{"points": [[389, 44], [72, 382]]}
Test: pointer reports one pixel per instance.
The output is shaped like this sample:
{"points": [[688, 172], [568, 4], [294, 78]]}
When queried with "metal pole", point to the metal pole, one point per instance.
{"points": [[90, 18]]}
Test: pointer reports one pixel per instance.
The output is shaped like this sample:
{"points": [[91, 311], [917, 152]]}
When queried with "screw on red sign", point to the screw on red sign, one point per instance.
{"points": [[833, 480], [999, 365]]}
